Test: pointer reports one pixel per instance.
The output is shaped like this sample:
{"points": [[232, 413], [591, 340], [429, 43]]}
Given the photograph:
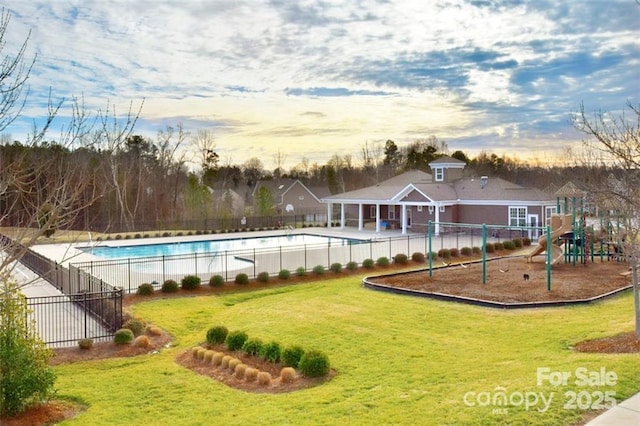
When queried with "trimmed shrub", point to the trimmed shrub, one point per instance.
{"points": [[490, 248], [418, 257], [301, 271], [509, 245], [225, 361], [287, 375], [190, 282], [284, 274], [141, 341], [382, 261], [239, 371], [233, 363], [251, 374], [217, 334], [123, 336], [433, 255], [85, 344], [152, 330], [368, 263], [145, 289], [444, 253], [352, 266], [526, 241], [466, 251], [517, 242], [498, 246], [271, 352], [476, 250], [136, 326], [169, 286], [291, 356], [263, 277], [194, 351], [318, 269], [401, 259], [454, 252], [252, 346], [201, 353], [242, 278], [208, 356], [264, 378], [216, 360], [235, 340], [336, 267], [314, 363], [216, 281]]}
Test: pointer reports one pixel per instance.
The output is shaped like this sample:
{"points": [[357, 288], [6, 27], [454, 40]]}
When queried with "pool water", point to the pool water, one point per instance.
{"points": [[212, 246]]}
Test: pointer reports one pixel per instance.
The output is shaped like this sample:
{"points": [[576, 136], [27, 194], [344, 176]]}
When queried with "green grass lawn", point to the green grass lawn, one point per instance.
{"points": [[399, 360]]}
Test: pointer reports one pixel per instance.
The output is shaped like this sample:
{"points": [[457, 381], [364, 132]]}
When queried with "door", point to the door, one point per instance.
{"points": [[532, 220], [408, 217]]}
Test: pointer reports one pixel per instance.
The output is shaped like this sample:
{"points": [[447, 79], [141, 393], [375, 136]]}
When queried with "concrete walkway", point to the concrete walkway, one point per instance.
{"points": [[626, 413]]}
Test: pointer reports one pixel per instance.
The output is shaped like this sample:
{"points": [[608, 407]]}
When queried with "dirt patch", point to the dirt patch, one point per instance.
{"points": [[226, 376], [103, 350], [53, 412], [514, 280], [622, 343]]}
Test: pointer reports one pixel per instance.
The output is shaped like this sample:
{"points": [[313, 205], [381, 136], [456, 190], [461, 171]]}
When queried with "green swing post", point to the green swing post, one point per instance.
{"points": [[548, 258], [429, 246], [484, 253]]}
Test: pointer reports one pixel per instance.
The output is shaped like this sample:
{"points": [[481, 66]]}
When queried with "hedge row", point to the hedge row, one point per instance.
{"points": [[311, 363]]}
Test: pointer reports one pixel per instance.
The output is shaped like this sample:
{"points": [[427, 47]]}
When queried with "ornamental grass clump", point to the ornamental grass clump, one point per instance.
{"points": [[153, 330], [135, 325], [141, 341], [216, 360], [401, 259], [251, 374], [85, 344], [201, 353], [264, 378], [208, 356], [233, 363], [225, 361], [287, 375], [194, 351], [240, 370]]}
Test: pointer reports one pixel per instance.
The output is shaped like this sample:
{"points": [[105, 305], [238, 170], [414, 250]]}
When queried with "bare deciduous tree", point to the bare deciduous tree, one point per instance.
{"points": [[612, 145]]}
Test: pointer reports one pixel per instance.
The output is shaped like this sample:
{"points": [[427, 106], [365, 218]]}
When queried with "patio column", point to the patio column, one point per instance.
{"points": [[403, 218], [342, 224], [360, 217], [329, 210], [436, 209], [377, 217]]}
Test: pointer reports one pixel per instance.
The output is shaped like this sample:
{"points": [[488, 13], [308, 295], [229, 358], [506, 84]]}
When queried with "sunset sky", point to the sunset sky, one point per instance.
{"points": [[317, 78]]}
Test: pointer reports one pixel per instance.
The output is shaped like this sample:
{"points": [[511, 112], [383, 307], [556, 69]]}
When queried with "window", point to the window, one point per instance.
{"points": [[517, 216], [439, 173], [419, 208], [392, 214], [549, 211], [301, 197], [441, 209], [372, 212]]}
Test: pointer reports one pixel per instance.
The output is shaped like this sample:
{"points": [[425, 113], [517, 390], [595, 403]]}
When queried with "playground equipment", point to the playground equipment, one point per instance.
{"points": [[560, 225]]}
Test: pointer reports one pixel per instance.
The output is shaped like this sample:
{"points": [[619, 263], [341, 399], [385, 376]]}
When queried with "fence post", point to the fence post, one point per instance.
{"points": [[84, 305], [429, 248], [484, 253], [195, 261], [129, 274]]}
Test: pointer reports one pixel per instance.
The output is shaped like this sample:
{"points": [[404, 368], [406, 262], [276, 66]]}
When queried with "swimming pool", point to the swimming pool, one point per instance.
{"points": [[212, 246]]}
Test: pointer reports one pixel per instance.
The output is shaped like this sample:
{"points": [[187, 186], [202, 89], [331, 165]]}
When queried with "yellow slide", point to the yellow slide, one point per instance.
{"points": [[559, 226]]}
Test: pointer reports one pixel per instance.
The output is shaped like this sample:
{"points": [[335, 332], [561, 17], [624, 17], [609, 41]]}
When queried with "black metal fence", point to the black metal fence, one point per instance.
{"points": [[130, 273], [88, 308]]}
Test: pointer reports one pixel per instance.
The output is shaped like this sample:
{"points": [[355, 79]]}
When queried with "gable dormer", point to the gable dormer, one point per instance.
{"points": [[446, 169]]}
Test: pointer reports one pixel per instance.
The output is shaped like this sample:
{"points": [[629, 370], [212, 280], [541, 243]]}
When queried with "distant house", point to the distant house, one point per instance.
{"points": [[410, 200], [291, 196]]}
